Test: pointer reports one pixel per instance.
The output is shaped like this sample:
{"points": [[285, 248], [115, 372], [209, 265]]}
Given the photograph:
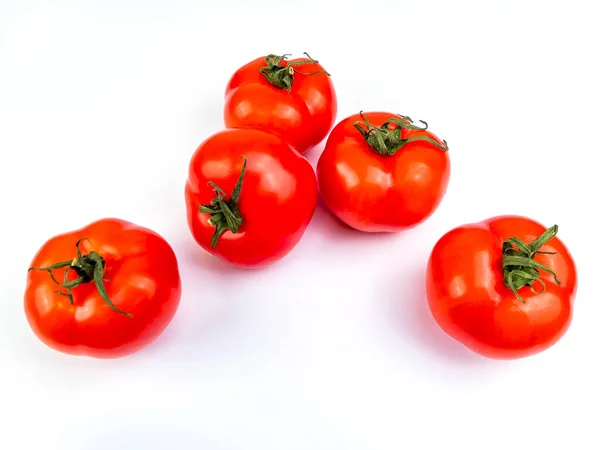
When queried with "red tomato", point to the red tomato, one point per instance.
{"points": [[105, 291], [294, 99], [503, 287], [380, 172], [249, 196]]}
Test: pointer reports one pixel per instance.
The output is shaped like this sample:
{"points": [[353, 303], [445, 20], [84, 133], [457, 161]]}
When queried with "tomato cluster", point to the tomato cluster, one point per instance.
{"points": [[503, 287]]}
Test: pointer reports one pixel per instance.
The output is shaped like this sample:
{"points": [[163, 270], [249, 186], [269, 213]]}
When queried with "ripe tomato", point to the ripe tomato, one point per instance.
{"points": [[106, 290], [380, 172], [294, 99], [503, 287], [249, 196]]}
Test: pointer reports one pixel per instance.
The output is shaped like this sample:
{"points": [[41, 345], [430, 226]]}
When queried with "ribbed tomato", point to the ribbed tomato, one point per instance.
{"points": [[106, 290], [380, 172], [249, 196], [503, 287], [292, 98]]}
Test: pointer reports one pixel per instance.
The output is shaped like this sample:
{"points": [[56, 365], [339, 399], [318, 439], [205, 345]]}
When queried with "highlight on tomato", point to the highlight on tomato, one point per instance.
{"points": [[380, 172], [106, 290], [249, 196], [503, 287], [293, 98]]}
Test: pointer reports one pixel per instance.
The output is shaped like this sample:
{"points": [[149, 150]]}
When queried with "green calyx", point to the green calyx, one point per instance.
{"points": [[387, 139], [89, 268], [225, 214], [282, 77], [518, 264]]}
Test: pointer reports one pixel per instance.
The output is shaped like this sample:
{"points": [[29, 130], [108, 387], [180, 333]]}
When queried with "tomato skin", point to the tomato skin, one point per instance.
{"points": [[381, 193], [303, 117], [277, 202], [470, 302], [142, 279]]}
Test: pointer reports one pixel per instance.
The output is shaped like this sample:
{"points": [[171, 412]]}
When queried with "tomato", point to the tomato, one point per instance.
{"points": [[503, 287], [249, 196], [295, 99], [381, 173], [106, 290]]}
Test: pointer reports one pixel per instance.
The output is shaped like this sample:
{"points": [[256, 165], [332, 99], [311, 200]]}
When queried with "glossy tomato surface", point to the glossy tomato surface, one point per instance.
{"points": [[276, 203], [141, 278], [302, 116], [375, 192], [470, 301]]}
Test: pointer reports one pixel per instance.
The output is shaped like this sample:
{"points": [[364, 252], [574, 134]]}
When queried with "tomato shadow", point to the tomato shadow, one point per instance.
{"points": [[332, 230], [410, 316], [213, 292], [203, 262], [314, 154]]}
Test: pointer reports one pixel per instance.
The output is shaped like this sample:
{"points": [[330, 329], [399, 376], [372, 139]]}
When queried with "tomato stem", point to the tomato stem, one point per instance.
{"points": [[387, 140], [282, 76], [225, 214], [518, 264], [89, 267]]}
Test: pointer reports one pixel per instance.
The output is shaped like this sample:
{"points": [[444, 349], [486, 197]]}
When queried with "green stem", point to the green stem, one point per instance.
{"points": [[518, 263], [386, 141], [89, 267], [282, 76], [225, 214]]}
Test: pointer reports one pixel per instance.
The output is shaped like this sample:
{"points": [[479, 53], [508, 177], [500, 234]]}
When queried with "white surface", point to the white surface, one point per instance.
{"points": [[334, 347]]}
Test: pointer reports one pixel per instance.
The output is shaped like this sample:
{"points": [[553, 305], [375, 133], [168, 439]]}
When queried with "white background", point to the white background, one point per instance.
{"points": [[103, 103]]}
